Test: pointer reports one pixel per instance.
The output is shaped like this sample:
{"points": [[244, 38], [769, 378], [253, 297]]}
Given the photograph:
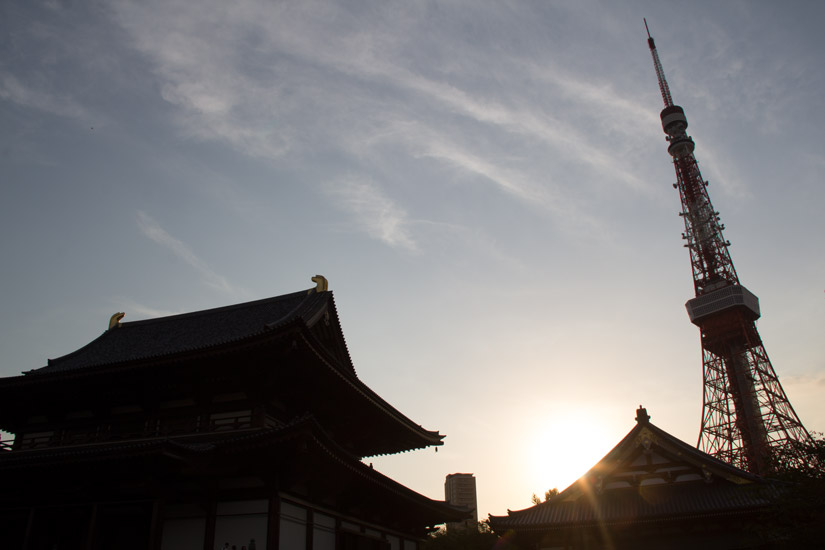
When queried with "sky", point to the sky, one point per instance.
{"points": [[485, 184]]}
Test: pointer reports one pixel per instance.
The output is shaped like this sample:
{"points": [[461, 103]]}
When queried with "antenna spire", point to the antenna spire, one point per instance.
{"points": [[660, 72]]}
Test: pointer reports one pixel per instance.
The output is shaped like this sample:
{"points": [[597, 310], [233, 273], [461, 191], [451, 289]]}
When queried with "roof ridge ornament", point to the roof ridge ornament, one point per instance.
{"points": [[641, 415], [114, 320], [321, 283]]}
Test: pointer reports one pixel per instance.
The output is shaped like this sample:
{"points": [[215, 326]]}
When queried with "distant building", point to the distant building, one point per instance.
{"points": [[460, 490], [651, 491], [243, 425]]}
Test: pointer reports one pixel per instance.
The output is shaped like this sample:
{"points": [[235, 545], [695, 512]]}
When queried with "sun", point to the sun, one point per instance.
{"points": [[562, 449]]}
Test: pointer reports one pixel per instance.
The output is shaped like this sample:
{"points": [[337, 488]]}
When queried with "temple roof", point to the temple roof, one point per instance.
{"points": [[649, 476], [199, 330], [303, 326]]}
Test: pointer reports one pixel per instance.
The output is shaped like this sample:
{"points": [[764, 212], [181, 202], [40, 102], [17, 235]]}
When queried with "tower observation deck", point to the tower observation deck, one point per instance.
{"points": [[746, 416]]}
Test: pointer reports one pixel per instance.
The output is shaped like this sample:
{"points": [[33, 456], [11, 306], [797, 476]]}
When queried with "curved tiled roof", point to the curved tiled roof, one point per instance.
{"points": [[719, 489], [645, 504], [143, 343], [200, 330]]}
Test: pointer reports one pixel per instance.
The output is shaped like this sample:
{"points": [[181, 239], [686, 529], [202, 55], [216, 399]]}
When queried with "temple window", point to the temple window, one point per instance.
{"points": [[233, 420]]}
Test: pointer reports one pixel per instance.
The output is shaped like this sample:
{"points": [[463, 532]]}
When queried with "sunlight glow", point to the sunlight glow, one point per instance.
{"points": [[563, 448]]}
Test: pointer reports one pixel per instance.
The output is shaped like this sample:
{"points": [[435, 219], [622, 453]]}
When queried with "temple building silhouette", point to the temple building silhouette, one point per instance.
{"points": [[241, 426], [651, 491]]}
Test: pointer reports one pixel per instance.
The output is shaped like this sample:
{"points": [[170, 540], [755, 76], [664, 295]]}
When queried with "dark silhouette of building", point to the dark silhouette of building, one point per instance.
{"points": [[746, 415], [651, 491], [460, 490], [243, 425]]}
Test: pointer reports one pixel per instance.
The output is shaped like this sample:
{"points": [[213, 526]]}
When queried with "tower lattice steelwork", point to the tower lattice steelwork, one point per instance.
{"points": [[746, 417]]}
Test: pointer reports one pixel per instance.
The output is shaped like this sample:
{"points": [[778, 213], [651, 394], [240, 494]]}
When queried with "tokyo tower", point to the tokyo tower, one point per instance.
{"points": [[746, 416]]}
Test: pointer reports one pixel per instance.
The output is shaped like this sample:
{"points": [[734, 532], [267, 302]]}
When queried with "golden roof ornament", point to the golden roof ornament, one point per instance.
{"points": [[114, 320], [322, 285]]}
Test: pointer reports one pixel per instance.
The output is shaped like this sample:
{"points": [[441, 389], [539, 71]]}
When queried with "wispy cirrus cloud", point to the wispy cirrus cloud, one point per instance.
{"points": [[153, 230], [14, 90], [133, 308], [344, 87], [286, 82], [528, 120], [375, 213]]}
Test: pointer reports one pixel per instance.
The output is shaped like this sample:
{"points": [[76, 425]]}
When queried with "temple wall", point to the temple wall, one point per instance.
{"points": [[236, 525]]}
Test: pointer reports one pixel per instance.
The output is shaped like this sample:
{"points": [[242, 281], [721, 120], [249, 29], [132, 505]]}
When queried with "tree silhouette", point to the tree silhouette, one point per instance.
{"points": [[471, 539], [548, 494], [797, 516]]}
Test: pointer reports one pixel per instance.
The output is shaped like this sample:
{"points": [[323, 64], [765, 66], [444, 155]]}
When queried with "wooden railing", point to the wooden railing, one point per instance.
{"points": [[135, 429], [238, 420]]}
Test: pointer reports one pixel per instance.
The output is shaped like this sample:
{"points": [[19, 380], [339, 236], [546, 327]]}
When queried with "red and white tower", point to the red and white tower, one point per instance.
{"points": [[746, 417]]}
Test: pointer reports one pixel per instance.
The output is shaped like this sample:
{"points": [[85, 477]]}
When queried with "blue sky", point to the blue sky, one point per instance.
{"points": [[485, 185]]}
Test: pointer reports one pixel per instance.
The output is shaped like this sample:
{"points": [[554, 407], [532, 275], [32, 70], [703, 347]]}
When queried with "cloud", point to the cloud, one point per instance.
{"points": [[808, 380], [12, 89], [305, 83], [152, 229], [375, 213], [132, 307], [529, 120], [291, 83]]}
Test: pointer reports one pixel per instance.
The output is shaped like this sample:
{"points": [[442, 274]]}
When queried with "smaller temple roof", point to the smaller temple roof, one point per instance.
{"points": [[199, 330], [650, 476]]}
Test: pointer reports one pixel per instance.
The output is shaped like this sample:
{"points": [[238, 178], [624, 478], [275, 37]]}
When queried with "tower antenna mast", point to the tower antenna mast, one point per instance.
{"points": [[746, 416]]}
